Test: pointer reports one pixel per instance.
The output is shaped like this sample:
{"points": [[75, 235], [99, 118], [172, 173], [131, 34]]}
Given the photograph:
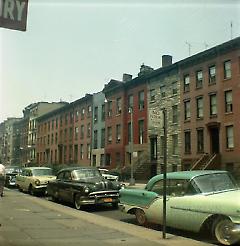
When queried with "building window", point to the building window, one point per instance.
{"points": [[175, 114], [109, 134], [118, 133], [82, 113], [56, 123], [89, 130], [75, 153], [95, 114], [118, 159], [175, 144], [186, 83], [103, 138], [109, 108], [76, 115], [200, 141], [119, 105], [187, 141], [163, 91], [65, 134], [228, 101], [95, 138], [212, 74], [141, 100], [66, 119], [88, 151], [199, 103], [56, 138], [213, 105], [108, 159], [70, 153], [227, 70], [89, 110], [102, 160], [174, 88], [82, 132], [130, 103], [71, 117], [229, 137], [70, 133], [187, 113], [76, 133], [81, 152], [140, 131], [152, 95], [199, 79], [103, 112]]}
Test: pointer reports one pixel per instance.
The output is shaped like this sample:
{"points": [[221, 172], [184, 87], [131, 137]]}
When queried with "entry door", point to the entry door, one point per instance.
{"points": [[214, 135]]}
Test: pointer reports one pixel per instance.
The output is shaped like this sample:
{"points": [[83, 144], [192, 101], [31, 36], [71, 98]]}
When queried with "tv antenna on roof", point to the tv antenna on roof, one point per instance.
{"points": [[189, 47]]}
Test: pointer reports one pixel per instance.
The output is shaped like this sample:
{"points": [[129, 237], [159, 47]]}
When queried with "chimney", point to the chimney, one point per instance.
{"points": [[166, 60], [126, 77]]}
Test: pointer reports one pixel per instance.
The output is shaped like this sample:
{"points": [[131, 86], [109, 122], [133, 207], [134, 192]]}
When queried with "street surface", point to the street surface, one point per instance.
{"points": [[26, 221]]}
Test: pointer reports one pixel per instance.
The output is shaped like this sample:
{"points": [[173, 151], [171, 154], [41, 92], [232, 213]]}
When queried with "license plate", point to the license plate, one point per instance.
{"points": [[107, 199]]}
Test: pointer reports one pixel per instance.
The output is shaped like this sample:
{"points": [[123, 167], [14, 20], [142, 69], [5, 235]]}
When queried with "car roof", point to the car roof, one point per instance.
{"points": [[33, 168], [185, 174], [76, 168]]}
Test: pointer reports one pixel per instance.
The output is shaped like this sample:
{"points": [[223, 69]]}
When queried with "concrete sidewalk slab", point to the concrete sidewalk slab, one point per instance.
{"points": [[28, 220]]}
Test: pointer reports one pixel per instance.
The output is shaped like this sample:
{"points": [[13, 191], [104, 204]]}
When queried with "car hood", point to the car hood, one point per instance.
{"points": [[47, 177], [100, 183]]}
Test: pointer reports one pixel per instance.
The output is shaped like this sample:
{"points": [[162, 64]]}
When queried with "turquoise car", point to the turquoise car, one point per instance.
{"points": [[196, 200]]}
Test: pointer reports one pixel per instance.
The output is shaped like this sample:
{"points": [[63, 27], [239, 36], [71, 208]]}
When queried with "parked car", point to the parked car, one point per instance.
{"points": [[11, 173], [107, 174], [34, 179], [195, 200], [83, 186]]}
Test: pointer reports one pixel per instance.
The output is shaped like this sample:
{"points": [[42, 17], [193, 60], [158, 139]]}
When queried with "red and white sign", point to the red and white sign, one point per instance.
{"points": [[13, 14]]}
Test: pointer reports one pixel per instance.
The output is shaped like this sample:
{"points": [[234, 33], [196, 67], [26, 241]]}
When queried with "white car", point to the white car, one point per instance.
{"points": [[106, 175], [34, 179]]}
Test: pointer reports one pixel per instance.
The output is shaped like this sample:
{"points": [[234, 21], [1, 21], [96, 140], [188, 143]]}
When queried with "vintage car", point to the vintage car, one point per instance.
{"points": [[34, 180], [83, 186], [195, 200], [11, 173], [107, 174]]}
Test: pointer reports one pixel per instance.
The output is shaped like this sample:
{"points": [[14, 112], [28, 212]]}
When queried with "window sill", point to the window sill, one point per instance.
{"points": [[229, 149], [229, 113], [187, 153], [226, 79], [188, 120], [213, 116], [199, 118]]}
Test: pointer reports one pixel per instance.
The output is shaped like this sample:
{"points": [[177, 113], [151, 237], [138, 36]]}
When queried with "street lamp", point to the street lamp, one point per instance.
{"points": [[164, 173]]}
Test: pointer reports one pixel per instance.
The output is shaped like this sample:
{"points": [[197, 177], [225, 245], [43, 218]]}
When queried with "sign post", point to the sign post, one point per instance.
{"points": [[13, 14]]}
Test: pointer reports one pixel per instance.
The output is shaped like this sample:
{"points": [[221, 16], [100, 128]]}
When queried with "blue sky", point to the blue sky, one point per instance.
{"points": [[74, 47]]}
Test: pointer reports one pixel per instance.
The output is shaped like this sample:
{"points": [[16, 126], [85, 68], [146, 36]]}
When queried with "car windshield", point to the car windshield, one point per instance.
{"points": [[13, 170], [42, 172], [86, 173], [214, 182]]}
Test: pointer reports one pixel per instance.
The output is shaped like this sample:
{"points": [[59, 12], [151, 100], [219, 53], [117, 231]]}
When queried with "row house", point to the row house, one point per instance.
{"points": [[9, 146], [64, 135], [126, 121], [164, 102], [98, 130], [28, 129], [210, 108]]}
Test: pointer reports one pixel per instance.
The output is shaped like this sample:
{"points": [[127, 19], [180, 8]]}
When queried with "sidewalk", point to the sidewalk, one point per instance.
{"points": [[32, 221]]}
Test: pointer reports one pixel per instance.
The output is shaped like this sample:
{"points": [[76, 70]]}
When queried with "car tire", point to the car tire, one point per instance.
{"points": [[77, 203], [19, 188], [31, 190], [141, 217], [115, 205], [221, 231]]}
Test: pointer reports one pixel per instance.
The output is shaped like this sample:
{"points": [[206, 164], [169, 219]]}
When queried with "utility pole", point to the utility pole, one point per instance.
{"points": [[231, 26], [164, 174], [132, 180]]}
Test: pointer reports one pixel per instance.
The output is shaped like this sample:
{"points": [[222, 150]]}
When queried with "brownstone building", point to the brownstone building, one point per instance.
{"points": [[210, 108], [64, 135]]}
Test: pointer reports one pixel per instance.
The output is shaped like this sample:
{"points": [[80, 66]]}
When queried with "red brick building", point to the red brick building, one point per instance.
{"points": [[64, 135], [210, 108]]}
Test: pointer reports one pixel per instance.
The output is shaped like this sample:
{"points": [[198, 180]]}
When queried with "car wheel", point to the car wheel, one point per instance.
{"points": [[30, 190], [115, 205], [141, 217], [77, 203], [222, 232], [19, 188]]}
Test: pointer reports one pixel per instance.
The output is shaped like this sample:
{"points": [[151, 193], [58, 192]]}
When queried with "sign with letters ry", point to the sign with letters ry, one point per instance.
{"points": [[13, 14]]}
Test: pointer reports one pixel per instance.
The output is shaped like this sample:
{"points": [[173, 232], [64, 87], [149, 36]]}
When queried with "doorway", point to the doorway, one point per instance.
{"points": [[214, 140]]}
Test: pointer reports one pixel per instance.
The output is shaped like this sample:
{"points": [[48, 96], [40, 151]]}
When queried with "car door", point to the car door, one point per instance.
{"points": [[66, 187], [21, 179]]}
